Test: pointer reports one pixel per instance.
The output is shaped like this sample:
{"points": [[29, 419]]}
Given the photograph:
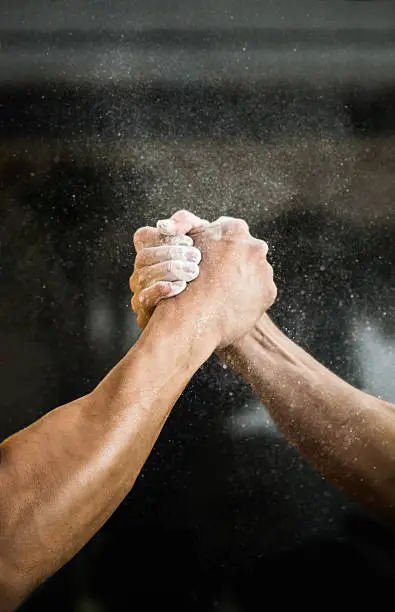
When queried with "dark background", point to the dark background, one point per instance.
{"points": [[114, 114]]}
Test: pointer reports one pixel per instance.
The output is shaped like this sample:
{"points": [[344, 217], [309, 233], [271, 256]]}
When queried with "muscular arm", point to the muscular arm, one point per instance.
{"points": [[62, 477], [347, 434]]}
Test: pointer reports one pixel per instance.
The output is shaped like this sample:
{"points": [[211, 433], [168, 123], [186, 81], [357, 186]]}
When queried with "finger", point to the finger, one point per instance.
{"points": [[231, 225], [224, 226], [261, 247], [153, 255], [177, 240], [146, 237], [151, 296], [133, 283], [136, 304], [142, 316], [142, 320], [180, 223], [168, 271]]}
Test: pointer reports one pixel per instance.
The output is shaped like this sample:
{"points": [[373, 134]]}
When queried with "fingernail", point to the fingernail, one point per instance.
{"points": [[165, 226], [194, 256]]}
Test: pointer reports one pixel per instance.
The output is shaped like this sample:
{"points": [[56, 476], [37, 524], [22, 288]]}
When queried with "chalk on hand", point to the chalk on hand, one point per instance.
{"points": [[166, 226]]}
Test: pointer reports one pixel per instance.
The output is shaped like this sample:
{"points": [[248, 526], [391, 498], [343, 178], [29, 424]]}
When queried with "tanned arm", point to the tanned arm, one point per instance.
{"points": [[62, 477], [345, 433]]}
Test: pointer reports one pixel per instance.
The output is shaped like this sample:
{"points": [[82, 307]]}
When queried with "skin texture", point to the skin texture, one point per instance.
{"points": [[346, 434], [62, 477], [225, 244]]}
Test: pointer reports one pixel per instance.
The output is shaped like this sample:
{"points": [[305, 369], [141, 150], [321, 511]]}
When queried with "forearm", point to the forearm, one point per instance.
{"points": [[347, 434], [62, 477]]}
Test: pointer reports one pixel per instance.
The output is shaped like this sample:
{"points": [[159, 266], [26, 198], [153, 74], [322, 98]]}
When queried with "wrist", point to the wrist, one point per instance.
{"points": [[237, 351], [237, 355], [266, 353], [186, 324], [171, 347], [259, 351]]}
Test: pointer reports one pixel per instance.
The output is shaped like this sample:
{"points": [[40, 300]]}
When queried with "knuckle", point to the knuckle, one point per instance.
{"points": [[242, 225], [261, 247], [144, 298], [182, 212], [140, 258], [234, 225], [181, 215], [226, 222], [141, 235], [134, 303]]}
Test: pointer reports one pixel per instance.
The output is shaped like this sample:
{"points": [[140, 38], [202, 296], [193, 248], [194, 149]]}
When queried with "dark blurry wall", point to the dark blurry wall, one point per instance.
{"points": [[115, 114]]}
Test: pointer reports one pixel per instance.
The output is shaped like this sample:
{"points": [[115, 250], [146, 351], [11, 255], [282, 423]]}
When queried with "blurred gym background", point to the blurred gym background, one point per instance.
{"points": [[114, 114]]}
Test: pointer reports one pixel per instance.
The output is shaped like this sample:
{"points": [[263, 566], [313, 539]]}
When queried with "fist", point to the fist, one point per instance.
{"points": [[235, 283], [164, 264], [245, 292]]}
